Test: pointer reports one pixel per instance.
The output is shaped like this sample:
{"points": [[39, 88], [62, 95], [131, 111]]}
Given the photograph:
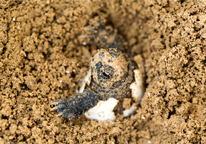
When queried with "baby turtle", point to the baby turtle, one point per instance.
{"points": [[112, 77]]}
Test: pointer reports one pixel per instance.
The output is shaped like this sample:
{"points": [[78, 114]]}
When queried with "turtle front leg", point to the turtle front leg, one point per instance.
{"points": [[76, 105]]}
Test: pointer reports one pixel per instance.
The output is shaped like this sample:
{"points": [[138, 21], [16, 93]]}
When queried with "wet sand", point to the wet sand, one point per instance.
{"points": [[43, 58]]}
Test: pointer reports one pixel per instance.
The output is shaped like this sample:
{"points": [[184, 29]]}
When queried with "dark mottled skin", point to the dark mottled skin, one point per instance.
{"points": [[76, 105], [111, 73]]}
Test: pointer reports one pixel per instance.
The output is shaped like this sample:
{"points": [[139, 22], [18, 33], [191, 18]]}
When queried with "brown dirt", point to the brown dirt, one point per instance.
{"points": [[40, 42]]}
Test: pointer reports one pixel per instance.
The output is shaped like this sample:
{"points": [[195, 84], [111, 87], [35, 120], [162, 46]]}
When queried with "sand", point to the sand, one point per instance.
{"points": [[43, 58]]}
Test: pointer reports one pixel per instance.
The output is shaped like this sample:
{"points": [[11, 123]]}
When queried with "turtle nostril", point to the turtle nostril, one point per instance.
{"points": [[104, 75]]}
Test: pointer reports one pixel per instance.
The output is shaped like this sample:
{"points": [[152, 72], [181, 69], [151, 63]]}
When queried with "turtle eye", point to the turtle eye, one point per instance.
{"points": [[104, 75]]}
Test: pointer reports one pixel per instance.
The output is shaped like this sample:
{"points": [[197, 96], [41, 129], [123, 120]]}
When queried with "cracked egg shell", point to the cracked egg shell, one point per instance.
{"points": [[109, 68]]}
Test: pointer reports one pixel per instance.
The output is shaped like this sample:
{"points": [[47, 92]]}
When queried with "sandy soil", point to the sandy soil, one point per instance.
{"points": [[42, 59]]}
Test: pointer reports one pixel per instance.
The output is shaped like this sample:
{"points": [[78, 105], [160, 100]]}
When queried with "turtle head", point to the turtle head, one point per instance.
{"points": [[109, 68]]}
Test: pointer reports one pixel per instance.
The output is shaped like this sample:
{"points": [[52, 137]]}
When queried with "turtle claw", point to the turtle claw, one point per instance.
{"points": [[54, 103], [54, 108], [87, 36], [60, 114]]}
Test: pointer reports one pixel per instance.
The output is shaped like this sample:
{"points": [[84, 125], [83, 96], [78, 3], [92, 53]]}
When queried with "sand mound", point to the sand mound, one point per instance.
{"points": [[43, 58]]}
